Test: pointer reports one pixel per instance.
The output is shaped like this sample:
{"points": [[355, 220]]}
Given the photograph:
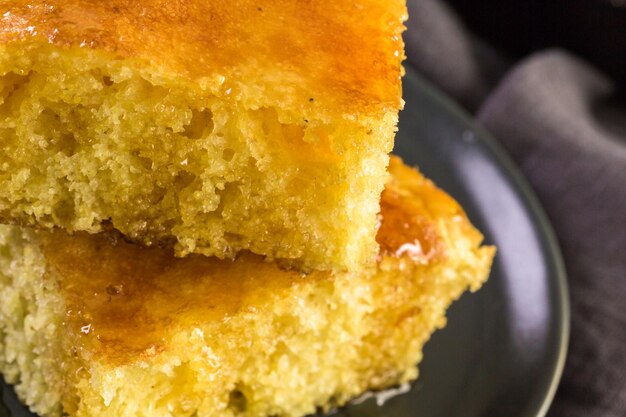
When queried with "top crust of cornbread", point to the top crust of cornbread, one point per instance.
{"points": [[320, 55]]}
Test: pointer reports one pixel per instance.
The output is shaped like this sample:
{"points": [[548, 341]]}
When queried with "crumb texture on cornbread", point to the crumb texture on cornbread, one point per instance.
{"points": [[220, 126], [122, 330]]}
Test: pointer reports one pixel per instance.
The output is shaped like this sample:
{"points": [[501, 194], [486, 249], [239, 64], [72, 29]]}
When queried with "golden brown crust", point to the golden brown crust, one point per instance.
{"points": [[337, 53], [413, 211], [130, 298]]}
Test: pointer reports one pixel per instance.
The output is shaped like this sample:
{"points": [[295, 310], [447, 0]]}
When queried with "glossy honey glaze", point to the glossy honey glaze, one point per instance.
{"points": [[124, 300], [316, 52]]}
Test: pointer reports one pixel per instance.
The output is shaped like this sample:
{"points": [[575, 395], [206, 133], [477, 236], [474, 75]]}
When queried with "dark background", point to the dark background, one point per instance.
{"points": [[592, 29]]}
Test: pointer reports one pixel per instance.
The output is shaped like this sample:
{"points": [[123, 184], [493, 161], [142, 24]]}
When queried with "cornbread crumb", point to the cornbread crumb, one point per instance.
{"points": [[91, 325], [192, 122]]}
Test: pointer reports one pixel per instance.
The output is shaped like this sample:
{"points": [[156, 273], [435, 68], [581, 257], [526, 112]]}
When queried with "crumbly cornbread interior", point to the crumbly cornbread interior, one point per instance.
{"points": [[261, 126], [92, 325], [88, 142]]}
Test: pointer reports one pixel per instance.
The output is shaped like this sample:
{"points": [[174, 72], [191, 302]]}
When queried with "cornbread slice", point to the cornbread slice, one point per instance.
{"points": [[91, 325], [260, 125]]}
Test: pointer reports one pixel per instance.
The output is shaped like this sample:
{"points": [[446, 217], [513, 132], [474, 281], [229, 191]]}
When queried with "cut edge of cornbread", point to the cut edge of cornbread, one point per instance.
{"points": [[201, 124], [91, 142], [240, 338]]}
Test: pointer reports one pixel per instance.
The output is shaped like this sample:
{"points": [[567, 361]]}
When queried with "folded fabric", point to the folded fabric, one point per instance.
{"points": [[549, 115]]}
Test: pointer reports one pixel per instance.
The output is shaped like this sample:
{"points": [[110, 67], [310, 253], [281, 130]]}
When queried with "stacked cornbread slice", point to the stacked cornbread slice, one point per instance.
{"points": [[94, 326], [202, 215]]}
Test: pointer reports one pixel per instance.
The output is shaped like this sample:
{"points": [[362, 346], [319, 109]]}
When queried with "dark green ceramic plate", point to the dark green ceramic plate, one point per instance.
{"points": [[503, 349]]}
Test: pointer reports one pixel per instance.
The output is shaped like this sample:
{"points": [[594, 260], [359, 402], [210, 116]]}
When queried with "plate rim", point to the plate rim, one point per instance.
{"points": [[553, 250]]}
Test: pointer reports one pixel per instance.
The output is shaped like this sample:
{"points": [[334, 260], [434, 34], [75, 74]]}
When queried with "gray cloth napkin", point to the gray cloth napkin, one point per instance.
{"points": [[556, 117]]}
